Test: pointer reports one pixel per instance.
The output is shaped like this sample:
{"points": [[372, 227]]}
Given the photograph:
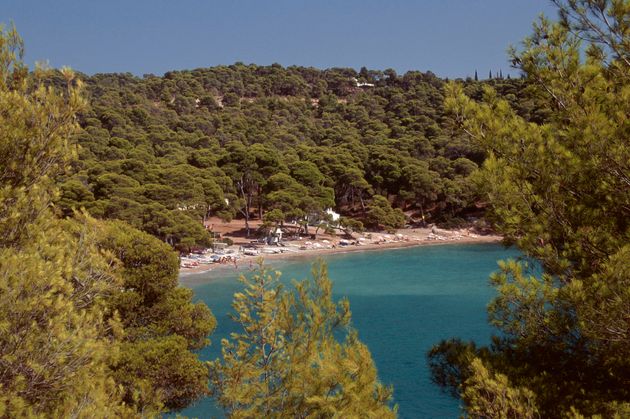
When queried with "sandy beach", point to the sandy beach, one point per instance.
{"points": [[325, 245]]}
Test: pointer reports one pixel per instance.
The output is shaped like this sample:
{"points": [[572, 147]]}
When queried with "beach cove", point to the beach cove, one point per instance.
{"points": [[403, 301], [327, 245]]}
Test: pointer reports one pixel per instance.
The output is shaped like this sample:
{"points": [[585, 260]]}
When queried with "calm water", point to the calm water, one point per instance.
{"points": [[403, 301]]}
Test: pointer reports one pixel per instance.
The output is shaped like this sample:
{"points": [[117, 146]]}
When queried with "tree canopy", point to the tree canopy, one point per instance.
{"points": [[287, 360], [559, 190], [91, 317]]}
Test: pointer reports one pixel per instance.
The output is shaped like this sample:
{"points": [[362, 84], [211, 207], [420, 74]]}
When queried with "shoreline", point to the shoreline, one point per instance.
{"points": [[245, 262]]}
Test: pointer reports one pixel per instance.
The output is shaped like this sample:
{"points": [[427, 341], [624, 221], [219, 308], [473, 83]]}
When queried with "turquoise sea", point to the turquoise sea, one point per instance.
{"points": [[403, 301]]}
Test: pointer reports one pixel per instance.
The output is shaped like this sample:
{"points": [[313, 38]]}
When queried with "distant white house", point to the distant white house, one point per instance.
{"points": [[333, 215], [316, 218], [361, 84]]}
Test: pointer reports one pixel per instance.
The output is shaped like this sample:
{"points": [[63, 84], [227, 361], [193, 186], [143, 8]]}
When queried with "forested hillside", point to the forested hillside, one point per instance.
{"points": [[163, 153]]}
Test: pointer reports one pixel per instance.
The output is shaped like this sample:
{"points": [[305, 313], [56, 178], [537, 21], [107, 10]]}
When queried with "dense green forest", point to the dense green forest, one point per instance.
{"points": [[163, 153]]}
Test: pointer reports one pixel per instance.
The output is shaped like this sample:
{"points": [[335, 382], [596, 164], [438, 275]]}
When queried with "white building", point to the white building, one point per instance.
{"points": [[333, 215]]}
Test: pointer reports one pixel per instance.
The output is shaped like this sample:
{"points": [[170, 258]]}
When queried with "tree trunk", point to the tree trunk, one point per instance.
{"points": [[424, 223], [248, 205], [248, 201], [260, 207], [350, 198], [362, 202]]}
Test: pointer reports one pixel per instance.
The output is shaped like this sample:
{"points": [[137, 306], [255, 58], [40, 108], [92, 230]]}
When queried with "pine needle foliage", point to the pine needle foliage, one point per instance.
{"points": [[55, 331], [288, 362], [92, 323], [560, 190]]}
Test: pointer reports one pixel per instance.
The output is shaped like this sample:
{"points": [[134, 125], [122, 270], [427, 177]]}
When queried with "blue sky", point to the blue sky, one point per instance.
{"points": [[452, 38]]}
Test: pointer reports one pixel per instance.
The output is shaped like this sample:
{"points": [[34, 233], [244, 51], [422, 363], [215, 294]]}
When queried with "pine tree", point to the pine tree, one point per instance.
{"points": [[55, 338], [560, 191], [162, 327], [476, 76], [92, 323], [491, 396], [286, 362]]}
